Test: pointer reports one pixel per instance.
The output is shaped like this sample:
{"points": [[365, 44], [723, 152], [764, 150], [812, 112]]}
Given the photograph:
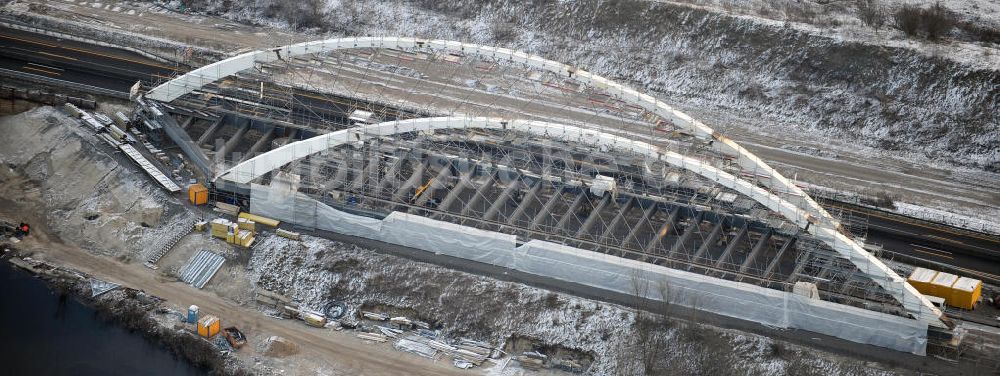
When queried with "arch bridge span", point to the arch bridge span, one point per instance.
{"points": [[774, 191], [914, 302], [749, 162]]}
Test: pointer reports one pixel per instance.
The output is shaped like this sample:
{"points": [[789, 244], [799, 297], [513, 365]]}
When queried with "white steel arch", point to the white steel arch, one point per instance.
{"points": [[911, 300], [200, 77]]}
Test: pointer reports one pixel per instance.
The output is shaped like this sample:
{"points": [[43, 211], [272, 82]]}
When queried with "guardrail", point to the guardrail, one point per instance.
{"points": [[63, 83]]}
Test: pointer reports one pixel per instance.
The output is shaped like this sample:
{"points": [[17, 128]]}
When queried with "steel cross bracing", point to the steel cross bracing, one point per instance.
{"points": [[846, 248]]}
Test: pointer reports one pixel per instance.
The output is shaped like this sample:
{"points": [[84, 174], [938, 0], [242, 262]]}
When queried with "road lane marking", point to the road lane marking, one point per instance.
{"points": [[933, 254], [42, 70], [86, 52], [931, 248], [893, 230], [49, 67], [56, 55], [27, 41]]}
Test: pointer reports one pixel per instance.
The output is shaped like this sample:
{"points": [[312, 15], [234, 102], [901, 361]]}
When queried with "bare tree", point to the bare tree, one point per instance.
{"points": [[648, 355]]}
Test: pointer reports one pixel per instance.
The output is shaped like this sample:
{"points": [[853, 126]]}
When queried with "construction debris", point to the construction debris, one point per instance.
{"points": [[228, 209], [374, 337], [260, 219], [235, 337], [415, 337], [99, 287], [270, 298], [314, 319], [335, 310], [374, 316], [401, 323], [414, 345], [288, 234], [389, 332]]}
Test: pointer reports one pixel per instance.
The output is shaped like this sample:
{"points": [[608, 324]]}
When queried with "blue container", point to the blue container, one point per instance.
{"points": [[192, 314]]}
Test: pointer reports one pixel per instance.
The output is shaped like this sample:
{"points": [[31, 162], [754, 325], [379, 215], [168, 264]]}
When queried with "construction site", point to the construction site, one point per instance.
{"points": [[438, 207]]}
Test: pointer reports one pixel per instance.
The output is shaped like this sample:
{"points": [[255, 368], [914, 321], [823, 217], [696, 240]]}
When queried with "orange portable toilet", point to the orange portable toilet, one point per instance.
{"points": [[198, 194]]}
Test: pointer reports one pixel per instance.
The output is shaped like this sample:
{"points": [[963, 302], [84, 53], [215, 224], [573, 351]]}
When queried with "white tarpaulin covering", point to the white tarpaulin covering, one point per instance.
{"points": [[727, 298], [302, 210], [448, 238]]}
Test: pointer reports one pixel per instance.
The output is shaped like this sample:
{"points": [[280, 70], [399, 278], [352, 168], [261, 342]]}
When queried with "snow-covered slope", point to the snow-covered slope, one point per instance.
{"points": [[783, 76]]}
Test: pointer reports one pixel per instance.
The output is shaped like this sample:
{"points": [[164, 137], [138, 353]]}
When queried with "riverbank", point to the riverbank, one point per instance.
{"points": [[136, 327]]}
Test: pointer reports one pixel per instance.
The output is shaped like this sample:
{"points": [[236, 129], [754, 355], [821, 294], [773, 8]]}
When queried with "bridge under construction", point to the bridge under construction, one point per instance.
{"points": [[500, 157]]}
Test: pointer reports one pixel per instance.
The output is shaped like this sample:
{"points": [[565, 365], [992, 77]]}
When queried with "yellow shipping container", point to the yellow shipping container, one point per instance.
{"points": [[921, 279], [208, 326], [965, 293], [942, 285], [260, 220]]}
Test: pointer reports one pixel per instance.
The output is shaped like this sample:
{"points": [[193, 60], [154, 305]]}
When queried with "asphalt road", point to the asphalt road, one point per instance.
{"points": [[115, 69], [935, 243], [78, 62], [118, 70]]}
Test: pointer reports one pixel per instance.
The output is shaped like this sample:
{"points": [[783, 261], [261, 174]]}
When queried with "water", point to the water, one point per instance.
{"points": [[43, 333]]}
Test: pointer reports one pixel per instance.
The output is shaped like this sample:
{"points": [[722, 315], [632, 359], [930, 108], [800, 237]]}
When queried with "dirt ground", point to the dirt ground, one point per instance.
{"points": [[103, 249], [322, 351]]}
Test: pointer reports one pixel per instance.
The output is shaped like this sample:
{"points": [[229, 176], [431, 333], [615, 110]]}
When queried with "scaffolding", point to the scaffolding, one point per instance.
{"points": [[605, 197]]}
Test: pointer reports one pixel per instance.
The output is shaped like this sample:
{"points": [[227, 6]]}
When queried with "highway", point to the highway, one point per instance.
{"points": [[931, 242], [118, 70], [78, 62]]}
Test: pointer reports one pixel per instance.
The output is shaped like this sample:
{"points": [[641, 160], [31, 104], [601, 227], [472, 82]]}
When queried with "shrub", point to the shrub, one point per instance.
{"points": [[980, 33], [932, 23], [908, 19], [799, 12], [938, 21], [871, 13]]}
